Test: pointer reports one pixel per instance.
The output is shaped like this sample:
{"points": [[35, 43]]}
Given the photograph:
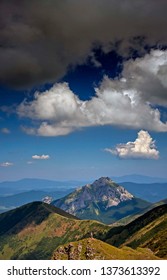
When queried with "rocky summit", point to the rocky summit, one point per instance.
{"points": [[100, 201]]}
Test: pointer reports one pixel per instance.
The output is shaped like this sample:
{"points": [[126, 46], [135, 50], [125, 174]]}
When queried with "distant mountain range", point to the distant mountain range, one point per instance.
{"points": [[152, 192], [17, 193], [13, 201], [101, 220], [85, 224], [137, 178], [14, 187], [103, 200]]}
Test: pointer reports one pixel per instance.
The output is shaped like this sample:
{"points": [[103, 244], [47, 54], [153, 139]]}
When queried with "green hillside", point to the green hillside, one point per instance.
{"points": [[149, 231], [35, 230], [36, 212], [91, 249], [126, 220]]}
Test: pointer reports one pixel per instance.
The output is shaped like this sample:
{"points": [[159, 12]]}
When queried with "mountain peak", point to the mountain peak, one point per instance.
{"points": [[102, 181], [92, 201]]}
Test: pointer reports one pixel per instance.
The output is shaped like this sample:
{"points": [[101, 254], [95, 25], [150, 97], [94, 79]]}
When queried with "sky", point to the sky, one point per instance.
{"points": [[83, 89]]}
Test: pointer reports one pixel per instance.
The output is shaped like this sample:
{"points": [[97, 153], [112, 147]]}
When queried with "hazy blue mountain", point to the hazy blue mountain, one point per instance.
{"points": [[14, 187], [137, 178], [151, 192], [17, 193], [13, 201]]}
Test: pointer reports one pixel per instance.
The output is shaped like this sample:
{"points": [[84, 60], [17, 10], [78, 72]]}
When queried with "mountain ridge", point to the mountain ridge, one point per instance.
{"points": [[147, 228], [42, 229], [36, 211], [95, 249], [34, 230]]}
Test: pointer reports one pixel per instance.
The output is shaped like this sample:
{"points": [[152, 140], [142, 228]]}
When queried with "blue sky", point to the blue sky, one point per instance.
{"points": [[86, 98]]}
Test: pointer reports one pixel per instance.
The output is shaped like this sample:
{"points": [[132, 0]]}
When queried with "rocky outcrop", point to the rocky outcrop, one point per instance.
{"points": [[84, 249], [94, 249]]}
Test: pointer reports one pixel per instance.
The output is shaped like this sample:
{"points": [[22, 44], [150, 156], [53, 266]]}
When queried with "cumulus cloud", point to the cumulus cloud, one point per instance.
{"points": [[6, 164], [59, 110], [147, 76], [142, 147], [131, 100], [42, 157], [41, 39]]}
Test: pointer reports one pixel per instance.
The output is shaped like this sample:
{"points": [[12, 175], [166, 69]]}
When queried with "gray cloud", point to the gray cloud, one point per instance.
{"points": [[40, 39]]}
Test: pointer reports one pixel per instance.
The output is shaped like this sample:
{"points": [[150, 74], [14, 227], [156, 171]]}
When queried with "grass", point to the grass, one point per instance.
{"points": [[100, 250], [39, 240]]}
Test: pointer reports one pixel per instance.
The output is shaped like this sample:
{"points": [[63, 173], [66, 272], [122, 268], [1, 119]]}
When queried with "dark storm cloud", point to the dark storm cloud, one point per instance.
{"points": [[40, 39]]}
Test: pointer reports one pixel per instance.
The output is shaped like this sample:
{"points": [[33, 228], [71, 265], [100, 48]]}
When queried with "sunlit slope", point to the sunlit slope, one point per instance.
{"points": [[33, 231], [149, 231], [93, 249]]}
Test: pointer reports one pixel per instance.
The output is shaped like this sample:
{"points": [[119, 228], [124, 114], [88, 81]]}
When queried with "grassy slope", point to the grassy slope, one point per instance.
{"points": [[126, 220], [22, 216], [36, 230], [149, 230], [153, 236], [90, 248]]}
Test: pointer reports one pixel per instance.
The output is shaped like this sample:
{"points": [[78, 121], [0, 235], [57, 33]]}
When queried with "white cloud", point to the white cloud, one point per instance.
{"points": [[6, 164], [129, 101], [59, 110], [59, 103], [5, 130], [29, 162], [142, 147], [46, 129], [41, 157]]}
